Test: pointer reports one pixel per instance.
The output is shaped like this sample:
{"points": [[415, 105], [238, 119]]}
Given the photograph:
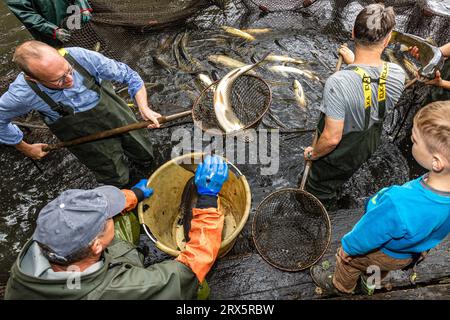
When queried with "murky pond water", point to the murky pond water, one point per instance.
{"points": [[311, 35]]}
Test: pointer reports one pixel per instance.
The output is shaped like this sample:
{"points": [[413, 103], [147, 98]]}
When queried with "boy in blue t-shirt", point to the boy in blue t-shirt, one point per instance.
{"points": [[401, 222]]}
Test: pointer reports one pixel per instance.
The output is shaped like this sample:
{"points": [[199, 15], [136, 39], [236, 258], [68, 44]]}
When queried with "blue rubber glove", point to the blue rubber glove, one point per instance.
{"points": [[211, 175], [142, 185]]}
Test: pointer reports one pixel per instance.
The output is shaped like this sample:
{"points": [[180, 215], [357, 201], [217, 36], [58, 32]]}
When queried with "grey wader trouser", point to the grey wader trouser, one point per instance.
{"points": [[106, 158], [330, 172]]}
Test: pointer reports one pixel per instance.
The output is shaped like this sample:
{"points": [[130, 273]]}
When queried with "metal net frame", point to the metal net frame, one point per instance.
{"points": [[250, 100]]}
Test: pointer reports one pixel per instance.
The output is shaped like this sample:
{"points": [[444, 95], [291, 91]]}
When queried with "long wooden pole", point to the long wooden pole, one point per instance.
{"points": [[340, 60], [309, 163], [113, 132]]}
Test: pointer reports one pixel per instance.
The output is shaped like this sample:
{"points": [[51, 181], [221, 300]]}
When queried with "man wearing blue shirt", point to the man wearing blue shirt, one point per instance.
{"points": [[71, 89], [401, 222]]}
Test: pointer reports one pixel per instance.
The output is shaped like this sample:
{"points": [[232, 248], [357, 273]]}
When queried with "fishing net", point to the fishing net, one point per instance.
{"points": [[118, 28], [294, 5], [273, 6], [434, 27], [250, 100], [291, 229], [145, 14]]}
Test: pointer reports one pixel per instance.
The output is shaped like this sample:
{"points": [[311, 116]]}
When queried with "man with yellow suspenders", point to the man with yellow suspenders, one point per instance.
{"points": [[355, 102], [71, 89]]}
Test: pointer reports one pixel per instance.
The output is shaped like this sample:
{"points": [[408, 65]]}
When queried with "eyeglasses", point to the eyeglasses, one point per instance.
{"points": [[62, 80]]}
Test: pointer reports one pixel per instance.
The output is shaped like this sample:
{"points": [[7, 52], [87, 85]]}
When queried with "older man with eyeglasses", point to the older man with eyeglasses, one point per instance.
{"points": [[71, 89]]}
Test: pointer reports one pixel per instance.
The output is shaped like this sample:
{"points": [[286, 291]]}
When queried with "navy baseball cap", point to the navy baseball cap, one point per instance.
{"points": [[72, 220]]}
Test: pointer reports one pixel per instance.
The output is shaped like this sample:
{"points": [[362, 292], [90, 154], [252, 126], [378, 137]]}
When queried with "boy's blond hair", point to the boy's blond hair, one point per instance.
{"points": [[433, 123]]}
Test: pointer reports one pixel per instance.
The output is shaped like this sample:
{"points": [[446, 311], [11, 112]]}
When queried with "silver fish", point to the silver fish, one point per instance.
{"points": [[285, 59], [205, 79], [163, 63], [222, 99], [392, 58], [299, 94], [185, 52], [176, 53], [285, 70], [257, 31], [226, 61], [238, 33], [410, 67], [164, 44]]}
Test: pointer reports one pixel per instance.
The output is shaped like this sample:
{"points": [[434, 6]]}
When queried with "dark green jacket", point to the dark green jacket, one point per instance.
{"points": [[41, 17], [122, 276]]}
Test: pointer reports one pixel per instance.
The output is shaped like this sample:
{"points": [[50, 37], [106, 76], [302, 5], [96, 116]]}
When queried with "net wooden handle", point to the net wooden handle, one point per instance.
{"points": [[113, 132]]}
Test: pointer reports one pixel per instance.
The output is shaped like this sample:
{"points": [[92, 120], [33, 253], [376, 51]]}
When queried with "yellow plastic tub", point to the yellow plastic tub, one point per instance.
{"points": [[160, 214]]}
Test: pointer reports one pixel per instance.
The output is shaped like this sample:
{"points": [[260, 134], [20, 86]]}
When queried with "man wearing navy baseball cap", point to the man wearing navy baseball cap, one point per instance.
{"points": [[74, 254]]}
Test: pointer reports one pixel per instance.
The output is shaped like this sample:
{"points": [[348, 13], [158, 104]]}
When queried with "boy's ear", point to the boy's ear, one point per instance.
{"points": [[438, 164], [353, 34]]}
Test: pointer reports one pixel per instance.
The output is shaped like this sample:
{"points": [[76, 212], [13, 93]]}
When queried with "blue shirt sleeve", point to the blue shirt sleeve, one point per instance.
{"points": [[380, 224], [10, 107], [103, 68]]}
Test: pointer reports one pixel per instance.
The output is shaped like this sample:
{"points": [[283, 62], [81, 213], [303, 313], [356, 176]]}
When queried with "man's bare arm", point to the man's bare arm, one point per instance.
{"points": [[328, 141], [446, 50]]}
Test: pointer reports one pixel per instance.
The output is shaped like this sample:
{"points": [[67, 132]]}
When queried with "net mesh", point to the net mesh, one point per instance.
{"points": [[250, 100], [273, 6], [291, 229], [435, 27], [119, 27], [145, 14]]}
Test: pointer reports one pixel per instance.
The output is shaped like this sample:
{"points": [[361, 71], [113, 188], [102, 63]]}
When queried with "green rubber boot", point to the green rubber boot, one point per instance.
{"points": [[203, 291]]}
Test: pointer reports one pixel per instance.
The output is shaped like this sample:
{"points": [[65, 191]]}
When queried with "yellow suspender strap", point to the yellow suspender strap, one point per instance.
{"points": [[367, 88], [62, 52], [382, 83]]}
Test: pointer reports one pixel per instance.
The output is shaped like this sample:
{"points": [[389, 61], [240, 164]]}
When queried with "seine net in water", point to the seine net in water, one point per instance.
{"points": [[277, 5], [120, 26]]}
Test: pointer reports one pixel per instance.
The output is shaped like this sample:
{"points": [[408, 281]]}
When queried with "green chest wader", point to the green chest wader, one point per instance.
{"points": [[437, 93], [107, 157], [331, 171]]}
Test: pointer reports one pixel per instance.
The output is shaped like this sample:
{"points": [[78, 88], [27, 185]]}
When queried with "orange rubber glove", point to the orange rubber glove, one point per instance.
{"points": [[131, 200]]}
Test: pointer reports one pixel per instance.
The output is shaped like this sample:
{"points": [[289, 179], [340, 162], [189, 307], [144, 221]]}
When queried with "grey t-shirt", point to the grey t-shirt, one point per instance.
{"points": [[343, 96]]}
